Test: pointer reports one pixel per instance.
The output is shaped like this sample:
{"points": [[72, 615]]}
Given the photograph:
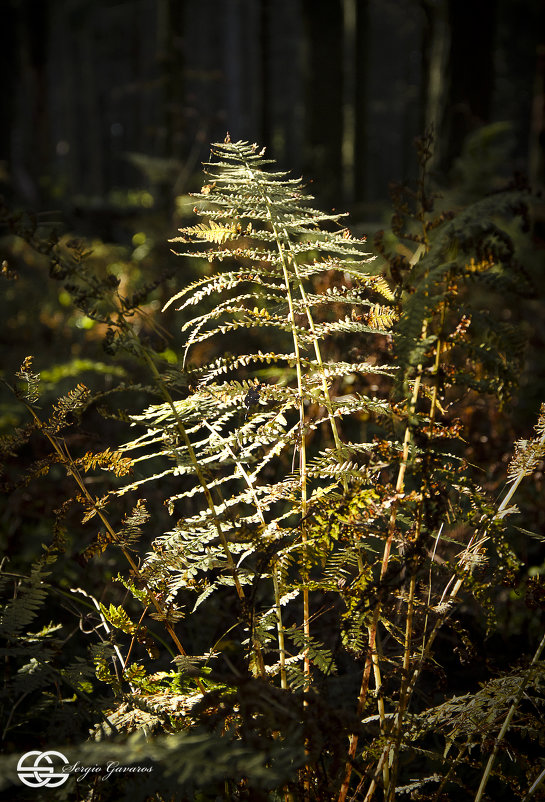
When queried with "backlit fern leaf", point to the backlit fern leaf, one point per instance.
{"points": [[211, 232], [30, 381], [107, 460], [67, 406]]}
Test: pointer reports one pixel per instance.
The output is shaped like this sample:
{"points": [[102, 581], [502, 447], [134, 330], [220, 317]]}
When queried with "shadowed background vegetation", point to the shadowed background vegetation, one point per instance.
{"points": [[108, 109], [106, 100]]}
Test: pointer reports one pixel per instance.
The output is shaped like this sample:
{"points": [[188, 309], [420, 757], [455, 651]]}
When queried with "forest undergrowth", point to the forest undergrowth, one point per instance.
{"points": [[289, 561]]}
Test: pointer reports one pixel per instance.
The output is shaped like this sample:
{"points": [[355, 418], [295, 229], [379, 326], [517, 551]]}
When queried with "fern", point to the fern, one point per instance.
{"points": [[21, 611], [261, 221]]}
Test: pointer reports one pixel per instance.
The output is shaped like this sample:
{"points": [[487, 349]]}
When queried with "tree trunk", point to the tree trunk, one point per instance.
{"points": [[324, 92], [471, 79]]}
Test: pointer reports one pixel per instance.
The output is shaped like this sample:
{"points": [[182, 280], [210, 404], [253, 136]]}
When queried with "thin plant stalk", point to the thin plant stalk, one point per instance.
{"points": [[535, 785], [275, 569], [372, 630], [506, 724], [302, 448], [405, 693], [73, 471], [448, 598], [404, 696], [380, 706], [209, 500], [457, 760], [302, 441]]}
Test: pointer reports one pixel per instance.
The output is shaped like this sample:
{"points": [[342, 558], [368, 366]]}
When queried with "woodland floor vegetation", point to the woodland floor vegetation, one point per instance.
{"points": [[296, 551]]}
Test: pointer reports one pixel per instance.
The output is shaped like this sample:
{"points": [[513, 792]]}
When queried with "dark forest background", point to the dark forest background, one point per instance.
{"points": [[109, 107], [102, 97]]}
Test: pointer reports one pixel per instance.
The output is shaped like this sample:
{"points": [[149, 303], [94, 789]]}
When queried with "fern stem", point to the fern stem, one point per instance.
{"points": [[379, 768], [302, 452], [302, 445], [200, 476], [73, 471], [306, 305], [353, 743], [400, 483], [535, 785], [387, 756], [476, 547], [362, 696], [317, 351], [380, 706], [458, 759], [275, 569], [208, 496], [393, 751], [508, 719], [134, 637], [276, 575], [106, 626], [405, 693], [448, 598]]}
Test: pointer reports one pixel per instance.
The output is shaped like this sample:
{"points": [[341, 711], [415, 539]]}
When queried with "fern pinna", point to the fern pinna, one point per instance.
{"points": [[251, 412]]}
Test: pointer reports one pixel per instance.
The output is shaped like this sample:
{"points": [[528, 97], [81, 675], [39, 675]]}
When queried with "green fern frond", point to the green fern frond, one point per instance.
{"points": [[22, 609]]}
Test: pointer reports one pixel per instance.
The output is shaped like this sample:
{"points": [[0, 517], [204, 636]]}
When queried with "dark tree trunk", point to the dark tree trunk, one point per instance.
{"points": [[171, 62], [536, 145], [8, 48], [360, 101], [324, 95], [471, 80], [435, 46], [29, 141], [265, 72]]}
